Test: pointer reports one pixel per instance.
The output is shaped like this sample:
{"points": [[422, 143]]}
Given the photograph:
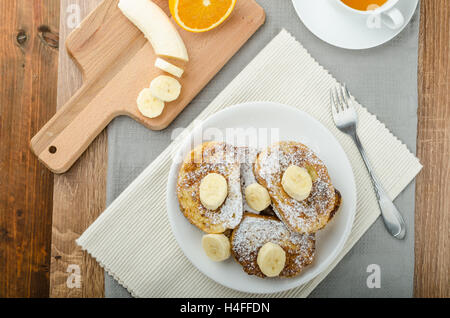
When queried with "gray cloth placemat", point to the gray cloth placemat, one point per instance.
{"points": [[383, 79]]}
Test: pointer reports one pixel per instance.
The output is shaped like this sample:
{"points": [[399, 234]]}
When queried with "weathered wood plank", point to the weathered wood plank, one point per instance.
{"points": [[28, 76], [432, 246], [80, 194]]}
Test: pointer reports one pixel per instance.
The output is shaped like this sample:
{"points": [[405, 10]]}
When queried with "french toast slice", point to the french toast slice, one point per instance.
{"points": [[210, 157], [257, 230], [311, 214]]}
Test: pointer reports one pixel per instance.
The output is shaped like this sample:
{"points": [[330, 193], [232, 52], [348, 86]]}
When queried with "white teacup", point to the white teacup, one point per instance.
{"points": [[390, 16]]}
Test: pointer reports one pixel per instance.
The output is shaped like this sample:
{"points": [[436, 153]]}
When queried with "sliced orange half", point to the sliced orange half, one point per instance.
{"points": [[200, 15]]}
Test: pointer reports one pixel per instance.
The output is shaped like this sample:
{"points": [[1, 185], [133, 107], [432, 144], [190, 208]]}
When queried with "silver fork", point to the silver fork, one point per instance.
{"points": [[346, 119]]}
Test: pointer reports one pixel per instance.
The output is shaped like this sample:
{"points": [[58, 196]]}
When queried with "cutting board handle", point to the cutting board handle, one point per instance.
{"points": [[61, 151]]}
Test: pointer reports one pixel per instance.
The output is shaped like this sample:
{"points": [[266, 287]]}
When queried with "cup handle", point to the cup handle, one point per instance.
{"points": [[393, 18]]}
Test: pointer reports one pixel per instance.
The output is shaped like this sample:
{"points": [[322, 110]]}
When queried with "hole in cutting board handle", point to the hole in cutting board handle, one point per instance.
{"points": [[52, 149]]}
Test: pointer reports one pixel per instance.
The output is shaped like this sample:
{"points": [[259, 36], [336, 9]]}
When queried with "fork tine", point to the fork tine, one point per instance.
{"points": [[346, 95], [337, 103], [346, 91], [333, 98], [334, 108], [340, 97]]}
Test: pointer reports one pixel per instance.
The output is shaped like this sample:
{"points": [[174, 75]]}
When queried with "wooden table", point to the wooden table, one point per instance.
{"points": [[30, 197]]}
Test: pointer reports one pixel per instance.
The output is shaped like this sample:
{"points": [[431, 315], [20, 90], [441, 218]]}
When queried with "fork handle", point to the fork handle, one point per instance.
{"points": [[392, 218]]}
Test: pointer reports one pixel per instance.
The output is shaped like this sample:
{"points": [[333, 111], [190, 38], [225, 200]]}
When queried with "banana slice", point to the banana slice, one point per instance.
{"points": [[297, 183], [257, 197], [168, 67], [165, 88], [149, 105], [271, 259], [216, 246], [213, 191]]}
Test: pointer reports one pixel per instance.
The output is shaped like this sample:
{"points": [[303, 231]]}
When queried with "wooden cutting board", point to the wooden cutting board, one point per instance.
{"points": [[117, 62]]}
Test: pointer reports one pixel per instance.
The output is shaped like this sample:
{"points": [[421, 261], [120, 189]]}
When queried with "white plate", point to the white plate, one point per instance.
{"points": [[332, 23], [294, 125]]}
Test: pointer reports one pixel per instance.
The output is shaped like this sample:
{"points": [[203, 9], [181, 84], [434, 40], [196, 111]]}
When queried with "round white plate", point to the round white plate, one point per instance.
{"points": [[292, 124], [332, 23]]}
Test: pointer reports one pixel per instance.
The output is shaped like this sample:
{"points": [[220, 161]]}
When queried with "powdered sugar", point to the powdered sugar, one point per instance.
{"points": [[300, 215], [221, 159], [255, 231]]}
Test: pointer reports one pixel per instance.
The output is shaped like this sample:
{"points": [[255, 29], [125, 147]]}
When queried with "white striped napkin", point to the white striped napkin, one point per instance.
{"points": [[132, 239]]}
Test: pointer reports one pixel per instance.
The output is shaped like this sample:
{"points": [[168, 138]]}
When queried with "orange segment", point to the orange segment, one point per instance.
{"points": [[200, 15]]}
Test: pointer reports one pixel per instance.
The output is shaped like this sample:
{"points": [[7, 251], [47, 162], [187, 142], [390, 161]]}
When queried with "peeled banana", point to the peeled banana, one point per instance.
{"points": [[216, 246], [257, 197], [169, 67], [165, 88], [213, 191], [156, 26], [297, 183], [271, 259], [149, 105]]}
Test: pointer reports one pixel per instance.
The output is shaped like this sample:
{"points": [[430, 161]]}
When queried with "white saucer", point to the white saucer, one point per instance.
{"points": [[332, 23], [293, 125]]}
